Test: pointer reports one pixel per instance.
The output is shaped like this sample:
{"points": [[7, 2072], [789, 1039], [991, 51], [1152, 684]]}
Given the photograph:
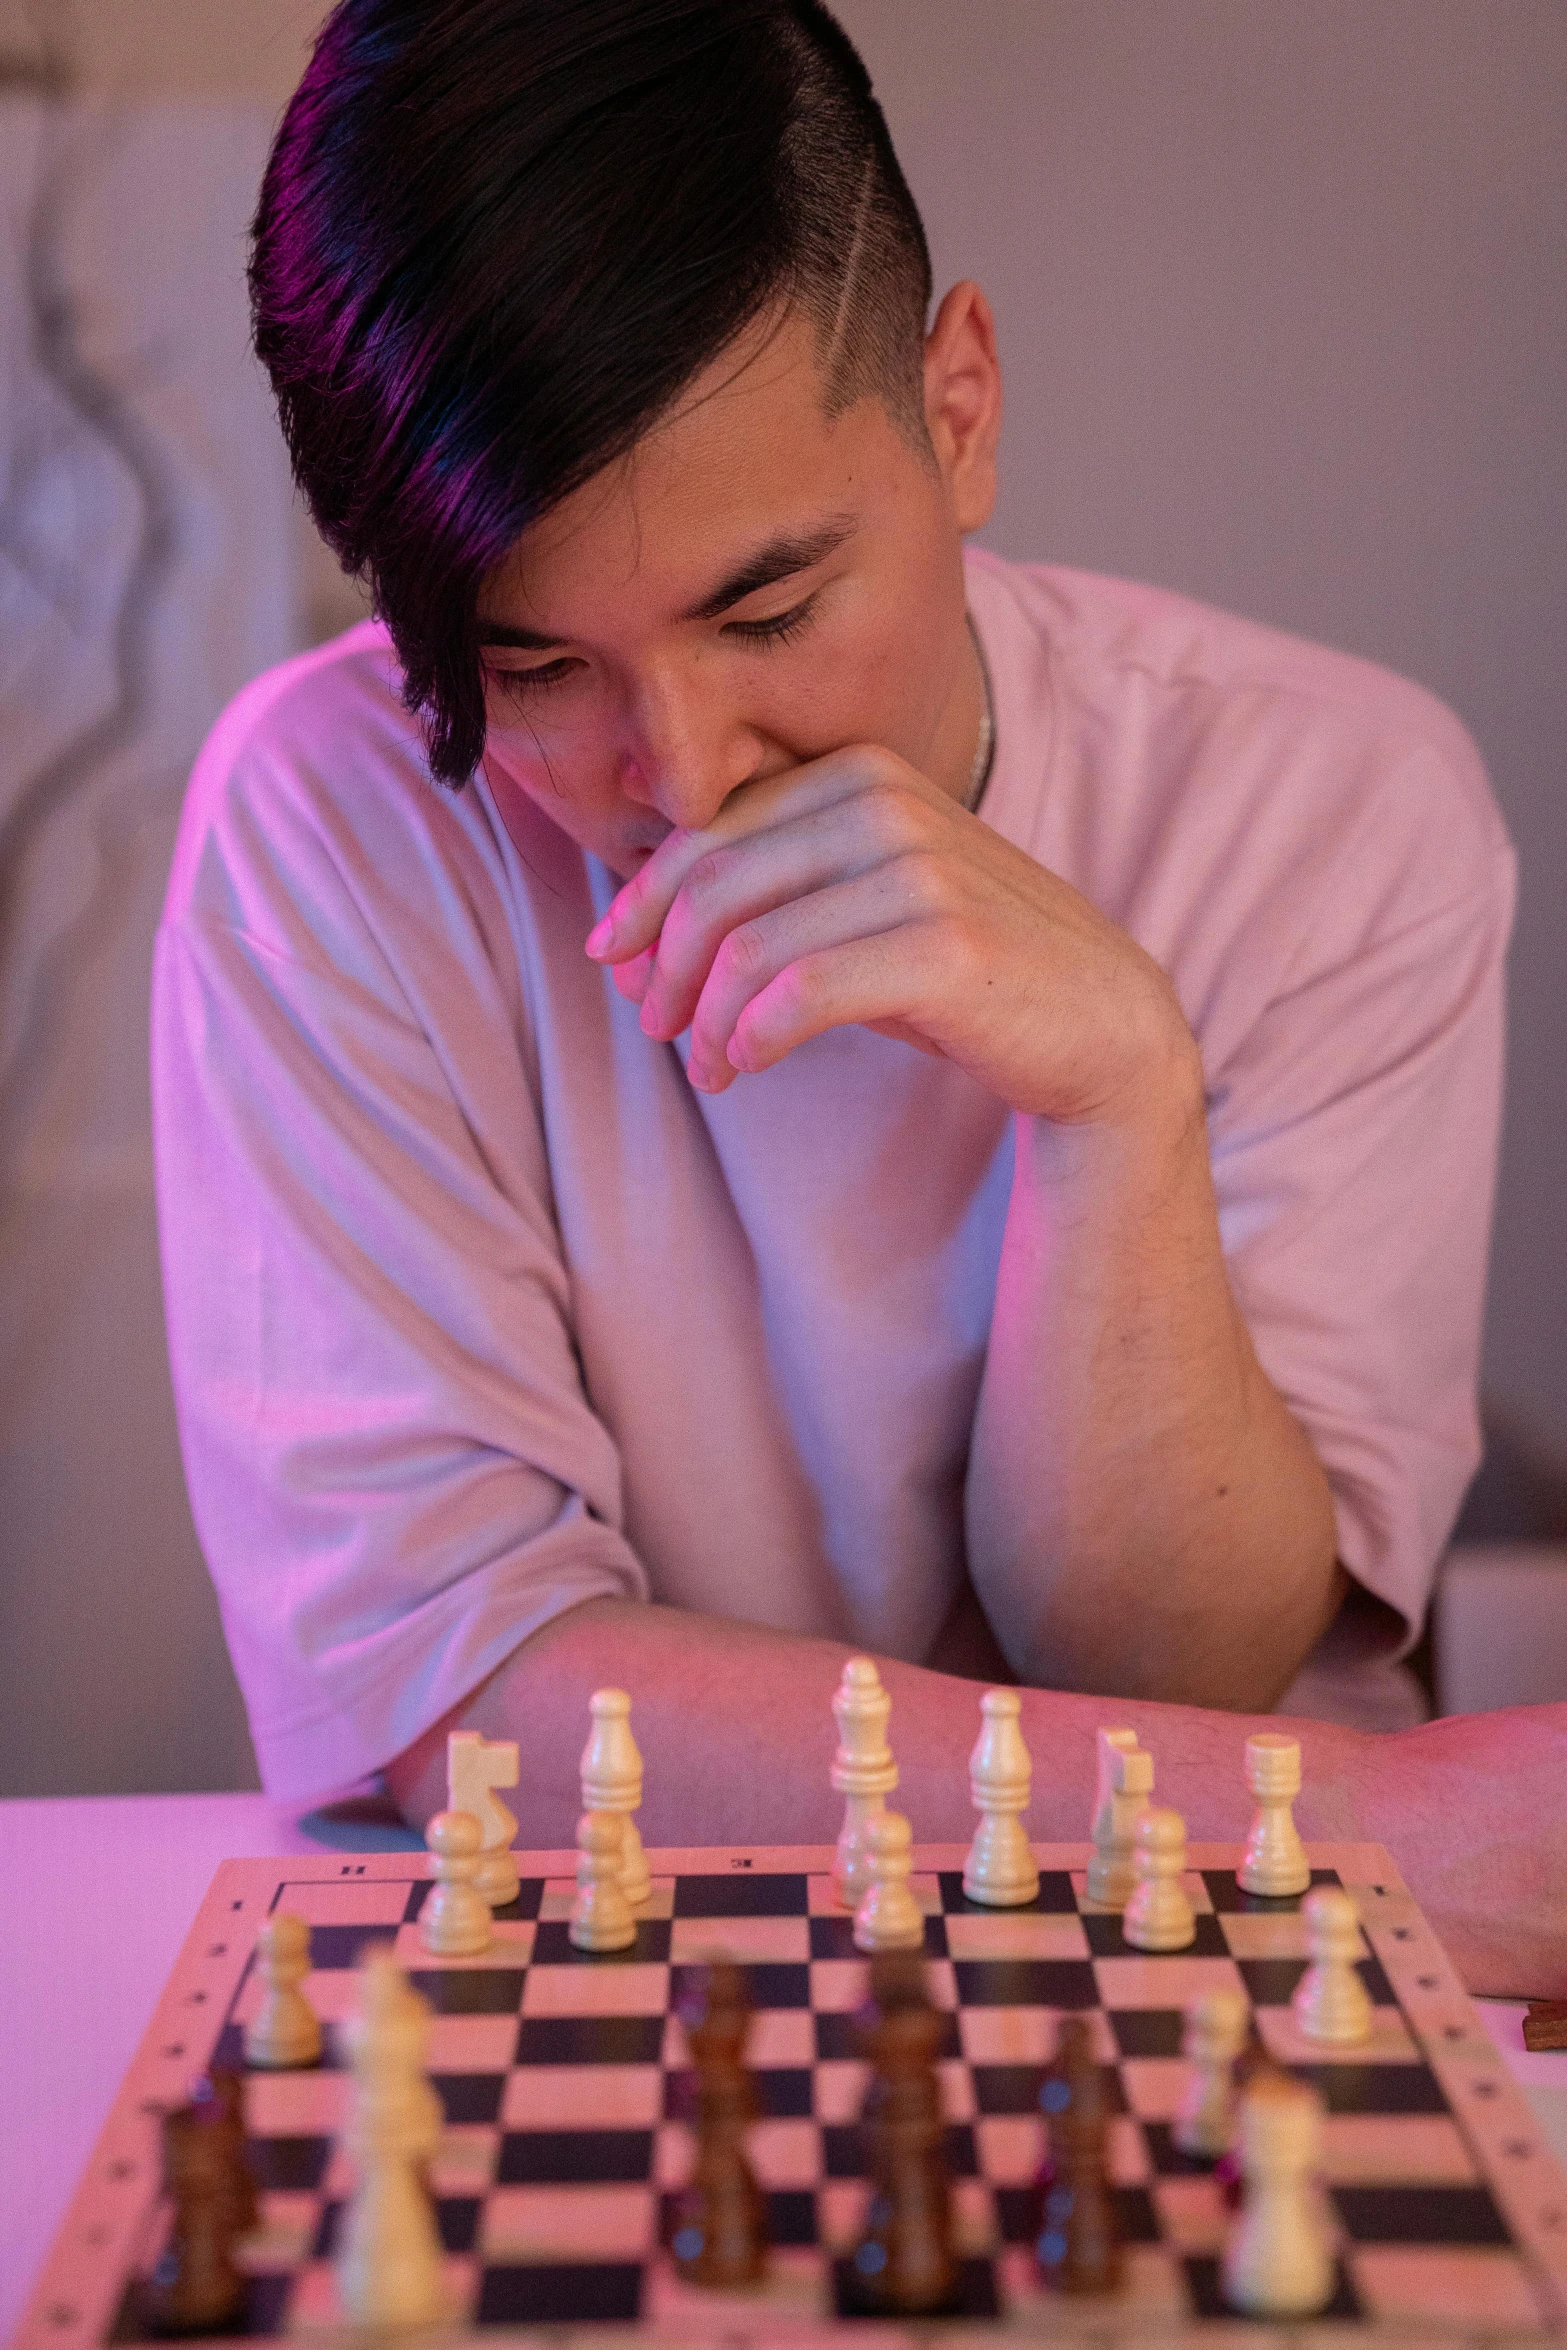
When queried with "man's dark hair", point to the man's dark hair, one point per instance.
{"points": [[497, 238]]}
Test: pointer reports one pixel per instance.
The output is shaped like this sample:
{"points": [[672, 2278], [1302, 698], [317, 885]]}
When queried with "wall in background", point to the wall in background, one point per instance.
{"points": [[1284, 324]]}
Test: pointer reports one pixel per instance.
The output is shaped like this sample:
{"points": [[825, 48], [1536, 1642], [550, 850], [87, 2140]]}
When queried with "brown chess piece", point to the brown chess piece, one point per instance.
{"points": [[196, 2288], [219, 2096], [1079, 2244], [720, 2219], [904, 2263]]}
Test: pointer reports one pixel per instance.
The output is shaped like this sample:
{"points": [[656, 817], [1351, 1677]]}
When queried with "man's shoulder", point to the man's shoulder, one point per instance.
{"points": [[312, 780], [1245, 734]]}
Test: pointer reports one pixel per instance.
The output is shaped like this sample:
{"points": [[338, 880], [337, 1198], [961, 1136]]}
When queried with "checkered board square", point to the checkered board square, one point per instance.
{"points": [[565, 2082]]}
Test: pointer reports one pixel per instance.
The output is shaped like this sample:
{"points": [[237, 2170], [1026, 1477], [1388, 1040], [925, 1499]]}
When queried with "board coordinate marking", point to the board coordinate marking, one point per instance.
{"points": [[1439, 2180]]}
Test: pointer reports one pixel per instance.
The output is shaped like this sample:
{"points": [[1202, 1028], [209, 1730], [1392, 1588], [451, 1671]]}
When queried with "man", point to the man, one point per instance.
{"points": [[890, 1101]]}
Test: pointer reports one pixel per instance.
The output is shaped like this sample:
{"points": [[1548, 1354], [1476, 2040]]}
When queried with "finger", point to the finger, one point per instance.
{"points": [[636, 914], [631, 978], [740, 881], [753, 956], [862, 982]]}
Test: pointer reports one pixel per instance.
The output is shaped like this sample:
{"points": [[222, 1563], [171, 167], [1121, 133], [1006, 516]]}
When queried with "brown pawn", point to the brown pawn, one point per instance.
{"points": [[219, 2096], [904, 2264], [196, 2288], [719, 2236], [1079, 2243]]}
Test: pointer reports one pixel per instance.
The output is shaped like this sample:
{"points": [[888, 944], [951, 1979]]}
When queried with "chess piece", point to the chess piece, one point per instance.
{"points": [[389, 2259], [1545, 2025], [1125, 1794], [719, 2236], [904, 2264], [1078, 2248], [1158, 1916], [455, 1921], [475, 1767], [863, 1771], [285, 2030], [1275, 1862], [612, 1782], [1331, 2003], [1000, 1868], [601, 1916], [1279, 2258], [1214, 2036], [219, 2097], [196, 2287], [889, 1917]]}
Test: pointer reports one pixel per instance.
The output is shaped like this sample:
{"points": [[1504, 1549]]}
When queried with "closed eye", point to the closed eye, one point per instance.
{"points": [[780, 628]]}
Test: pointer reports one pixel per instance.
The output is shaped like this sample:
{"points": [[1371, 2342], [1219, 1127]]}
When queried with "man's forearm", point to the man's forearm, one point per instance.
{"points": [[1143, 1511], [737, 1736]]}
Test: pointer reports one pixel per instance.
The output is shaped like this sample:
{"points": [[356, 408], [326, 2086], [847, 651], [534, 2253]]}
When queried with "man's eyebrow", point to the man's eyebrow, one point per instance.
{"points": [[778, 559]]}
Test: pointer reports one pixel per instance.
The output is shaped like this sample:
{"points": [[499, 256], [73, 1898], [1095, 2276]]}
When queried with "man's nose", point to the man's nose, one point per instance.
{"points": [[687, 749]]}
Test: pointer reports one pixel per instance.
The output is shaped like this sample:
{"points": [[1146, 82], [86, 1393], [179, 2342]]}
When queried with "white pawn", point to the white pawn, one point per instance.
{"points": [[601, 1916], [1213, 2037], [612, 1781], [455, 1920], [1275, 1862], [1158, 1915], [1331, 2003], [1279, 2259], [889, 1917], [285, 2029], [863, 1772], [389, 2261], [475, 1767], [1124, 1795], [1000, 1868]]}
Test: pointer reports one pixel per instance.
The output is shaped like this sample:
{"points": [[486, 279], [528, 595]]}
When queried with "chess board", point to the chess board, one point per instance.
{"points": [[565, 2084]]}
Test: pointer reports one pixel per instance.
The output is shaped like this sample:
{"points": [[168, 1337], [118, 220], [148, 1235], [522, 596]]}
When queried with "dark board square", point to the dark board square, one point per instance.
{"points": [[598, 2292], [1202, 2282], [1107, 1940], [771, 1982], [479, 1990], [1167, 2159], [1375, 2088], [590, 2039], [741, 1896], [843, 2150], [791, 2216], [576, 2158], [294, 2163], [1026, 1982], [1420, 2215], [457, 2218], [1226, 1894], [834, 1938], [266, 2299], [344, 1946], [838, 2035], [1055, 1897], [1135, 2213], [1147, 2031], [975, 2294], [1007, 2088], [1018, 2213], [783, 2091], [468, 2097], [1270, 1982], [553, 1946]]}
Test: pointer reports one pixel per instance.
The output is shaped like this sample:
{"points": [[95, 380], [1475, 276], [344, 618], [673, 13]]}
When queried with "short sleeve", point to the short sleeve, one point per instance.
{"points": [[393, 1468], [1353, 1139]]}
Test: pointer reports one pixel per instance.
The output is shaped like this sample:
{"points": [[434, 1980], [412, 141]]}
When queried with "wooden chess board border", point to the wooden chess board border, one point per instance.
{"points": [[78, 2293]]}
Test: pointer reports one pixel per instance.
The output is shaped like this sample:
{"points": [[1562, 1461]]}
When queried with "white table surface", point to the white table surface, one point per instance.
{"points": [[102, 1891]]}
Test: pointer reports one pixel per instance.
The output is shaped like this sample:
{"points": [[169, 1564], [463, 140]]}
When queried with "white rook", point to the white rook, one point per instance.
{"points": [[1275, 1863]]}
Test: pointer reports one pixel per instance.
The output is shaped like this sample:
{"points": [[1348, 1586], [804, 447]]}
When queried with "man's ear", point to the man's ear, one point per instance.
{"points": [[963, 401]]}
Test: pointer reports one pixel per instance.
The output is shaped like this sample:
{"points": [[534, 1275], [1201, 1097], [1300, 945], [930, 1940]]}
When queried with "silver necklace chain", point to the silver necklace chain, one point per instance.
{"points": [[985, 748]]}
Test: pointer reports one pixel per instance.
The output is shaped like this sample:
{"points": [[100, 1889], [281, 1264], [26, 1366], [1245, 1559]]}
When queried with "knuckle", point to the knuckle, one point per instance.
{"points": [[926, 881], [743, 954]]}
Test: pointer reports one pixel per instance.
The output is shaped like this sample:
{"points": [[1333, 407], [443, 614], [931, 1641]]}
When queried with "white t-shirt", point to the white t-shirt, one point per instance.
{"points": [[477, 1308]]}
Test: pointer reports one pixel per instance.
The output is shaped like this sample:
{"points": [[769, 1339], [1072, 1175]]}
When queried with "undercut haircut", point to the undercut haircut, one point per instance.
{"points": [[497, 239]]}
